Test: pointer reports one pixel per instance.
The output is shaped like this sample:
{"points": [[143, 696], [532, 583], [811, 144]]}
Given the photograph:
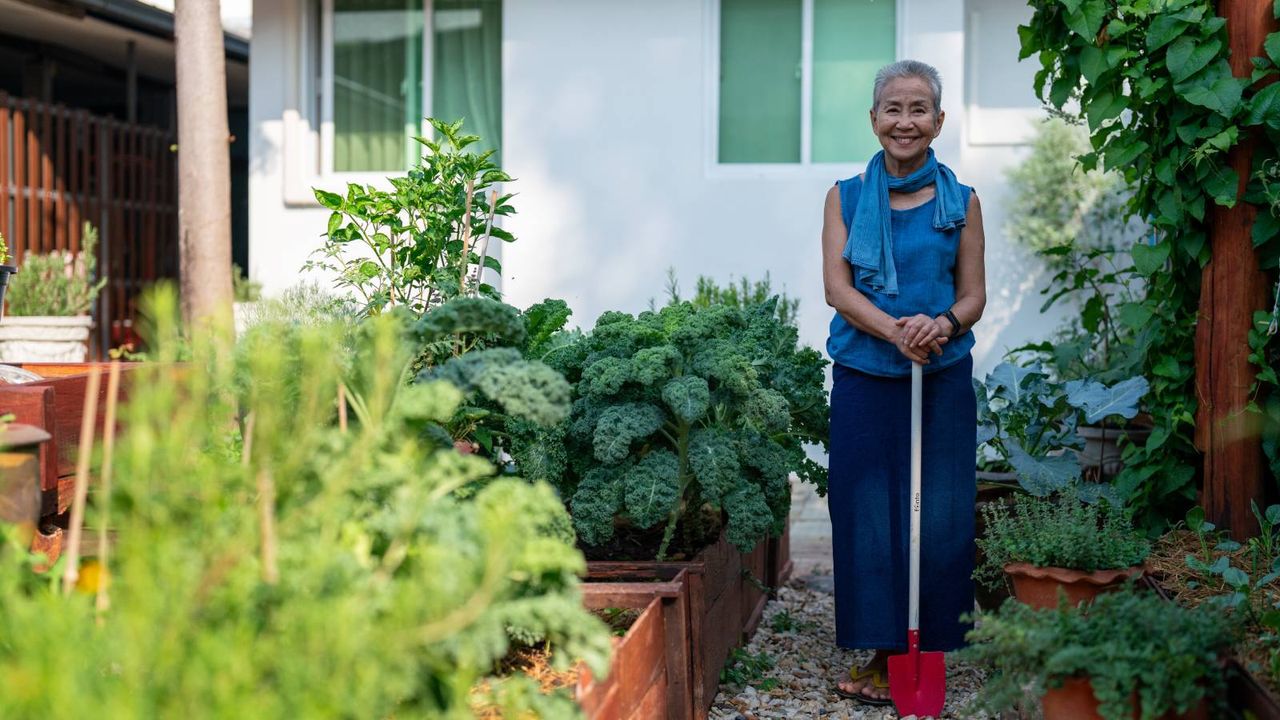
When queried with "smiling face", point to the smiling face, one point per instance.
{"points": [[906, 122]]}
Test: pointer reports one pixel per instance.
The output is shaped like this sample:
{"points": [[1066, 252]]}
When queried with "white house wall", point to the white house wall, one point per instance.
{"points": [[607, 117]]}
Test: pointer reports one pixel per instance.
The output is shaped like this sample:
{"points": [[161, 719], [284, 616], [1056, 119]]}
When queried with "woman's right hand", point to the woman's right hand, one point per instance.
{"points": [[916, 354]]}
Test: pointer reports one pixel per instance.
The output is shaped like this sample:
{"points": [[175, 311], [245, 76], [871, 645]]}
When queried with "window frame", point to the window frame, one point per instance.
{"points": [[805, 167]]}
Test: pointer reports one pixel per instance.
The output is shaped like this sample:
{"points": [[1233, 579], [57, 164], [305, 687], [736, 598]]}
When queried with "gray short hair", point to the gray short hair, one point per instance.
{"points": [[907, 69]]}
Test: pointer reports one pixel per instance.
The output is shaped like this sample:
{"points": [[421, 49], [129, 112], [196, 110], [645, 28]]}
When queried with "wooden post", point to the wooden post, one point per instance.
{"points": [[1233, 287]]}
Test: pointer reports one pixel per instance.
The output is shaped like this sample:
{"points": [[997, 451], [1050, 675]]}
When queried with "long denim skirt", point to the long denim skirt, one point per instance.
{"points": [[870, 483]]}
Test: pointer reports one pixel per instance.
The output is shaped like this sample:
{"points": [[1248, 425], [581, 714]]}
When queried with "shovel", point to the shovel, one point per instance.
{"points": [[917, 681]]}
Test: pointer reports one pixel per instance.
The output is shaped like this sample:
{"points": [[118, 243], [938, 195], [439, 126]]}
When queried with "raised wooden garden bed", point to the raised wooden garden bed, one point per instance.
{"points": [[718, 602], [780, 565], [650, 673], [56, 404], [1245, 693]]}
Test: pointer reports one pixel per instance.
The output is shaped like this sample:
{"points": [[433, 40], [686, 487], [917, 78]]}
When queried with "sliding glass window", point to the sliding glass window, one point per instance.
{"points": [[376, 62]]}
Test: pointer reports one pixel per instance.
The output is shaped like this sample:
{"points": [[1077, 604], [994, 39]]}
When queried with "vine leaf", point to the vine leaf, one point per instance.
{"points": [[1214, 88], [1186, 58], [1272, 43], [1086, 19], [1265, 107], [1149, 259]]}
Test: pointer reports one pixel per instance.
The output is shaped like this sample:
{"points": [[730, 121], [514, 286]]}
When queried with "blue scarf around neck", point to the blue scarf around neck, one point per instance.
{"points": [[870, 245]]}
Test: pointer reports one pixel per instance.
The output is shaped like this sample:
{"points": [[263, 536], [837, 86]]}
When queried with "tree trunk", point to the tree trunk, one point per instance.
{"points": [[1232, 288], [204, 163]]}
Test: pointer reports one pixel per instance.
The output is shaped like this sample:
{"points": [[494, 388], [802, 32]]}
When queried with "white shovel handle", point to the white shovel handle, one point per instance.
{"points": [[917, 400]]}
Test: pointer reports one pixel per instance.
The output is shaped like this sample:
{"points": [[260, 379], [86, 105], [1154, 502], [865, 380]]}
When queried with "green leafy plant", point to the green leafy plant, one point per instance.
{"points": [[1127, 644], [687, 413], [747, 668], [1057, 532], [783, 621], [242, 288], [738, 294], [5, 257], [482, 346], [1153, 83], [59, 283], [242, 509], [425, 240]]}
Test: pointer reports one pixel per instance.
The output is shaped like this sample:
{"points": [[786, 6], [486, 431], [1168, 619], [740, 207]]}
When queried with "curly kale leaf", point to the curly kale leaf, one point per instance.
{"points": [[767, 410], [652, 488], [714, 461], [539, 452], [606, 376], [525, 389], [652, 365], [723, 361], [496, 321], [750, 518], [620, 426], [716, 321], [598, 499], [688, 397], [542, 322]]}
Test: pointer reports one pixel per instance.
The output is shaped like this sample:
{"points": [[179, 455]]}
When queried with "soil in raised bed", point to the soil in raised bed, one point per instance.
{"points": [[536, 661], [1168, 564]]}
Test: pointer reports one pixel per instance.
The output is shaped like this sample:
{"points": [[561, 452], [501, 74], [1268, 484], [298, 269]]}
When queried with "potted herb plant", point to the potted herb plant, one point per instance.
{"points": [[49, 306], [1050, 545], [1128, 655]]}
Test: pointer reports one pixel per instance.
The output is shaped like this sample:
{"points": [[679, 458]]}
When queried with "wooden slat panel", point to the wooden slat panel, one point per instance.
{"points": [[6, 177], [59, 198], [17, 244], [35, 232]]}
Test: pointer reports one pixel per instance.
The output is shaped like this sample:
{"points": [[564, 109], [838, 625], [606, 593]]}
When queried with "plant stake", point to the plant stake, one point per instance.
{"points": [[917, 681], [87, 421], [103, 601]]}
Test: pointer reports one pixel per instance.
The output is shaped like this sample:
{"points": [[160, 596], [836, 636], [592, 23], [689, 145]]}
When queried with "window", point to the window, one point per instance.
{"points": [[796, 77], [374, 57]]}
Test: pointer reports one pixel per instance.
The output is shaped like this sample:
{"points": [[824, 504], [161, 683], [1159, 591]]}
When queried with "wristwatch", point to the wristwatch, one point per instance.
{"points": [[951, 318]]}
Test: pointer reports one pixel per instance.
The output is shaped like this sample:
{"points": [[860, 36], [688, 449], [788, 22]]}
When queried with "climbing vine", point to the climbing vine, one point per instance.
{"points": [[1151, 80]]}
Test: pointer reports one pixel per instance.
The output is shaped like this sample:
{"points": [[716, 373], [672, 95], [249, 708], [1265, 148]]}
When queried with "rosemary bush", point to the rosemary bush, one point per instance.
{"points": [[59, 283], [1125, 643], [1058, 532]]}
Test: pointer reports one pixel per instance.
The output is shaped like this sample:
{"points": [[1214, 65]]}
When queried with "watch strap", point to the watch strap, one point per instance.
{"points": [[955, 323]]}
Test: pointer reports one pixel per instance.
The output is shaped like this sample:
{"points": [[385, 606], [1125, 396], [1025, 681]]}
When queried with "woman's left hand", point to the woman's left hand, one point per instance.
{"points": [[922, 331]]}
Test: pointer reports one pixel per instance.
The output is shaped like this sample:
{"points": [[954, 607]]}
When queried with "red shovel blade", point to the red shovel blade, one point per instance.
{"points": [[918, 681]]}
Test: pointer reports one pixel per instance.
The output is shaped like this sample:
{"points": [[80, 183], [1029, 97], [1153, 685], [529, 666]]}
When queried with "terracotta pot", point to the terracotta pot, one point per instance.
{"points": [[1075, 701], [1038, 586]]}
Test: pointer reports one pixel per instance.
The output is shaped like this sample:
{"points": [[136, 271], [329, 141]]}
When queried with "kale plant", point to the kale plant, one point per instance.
{"points": [[480, 345], [683, 413]]}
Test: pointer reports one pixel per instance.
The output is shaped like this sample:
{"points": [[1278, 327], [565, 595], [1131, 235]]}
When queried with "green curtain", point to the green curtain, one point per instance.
{"points": [[377, 86], [852, 39], [760, 48], [467, 74]]}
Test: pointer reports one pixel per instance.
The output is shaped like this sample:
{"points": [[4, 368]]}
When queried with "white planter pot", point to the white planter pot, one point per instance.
{"points": [[45, 339]]}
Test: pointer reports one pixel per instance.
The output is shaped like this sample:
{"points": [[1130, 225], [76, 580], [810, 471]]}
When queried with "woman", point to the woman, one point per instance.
{"points": [[902, 263]]}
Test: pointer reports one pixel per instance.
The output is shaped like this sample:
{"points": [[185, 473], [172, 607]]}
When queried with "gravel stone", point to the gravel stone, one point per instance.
{"points": [[807, 664]]}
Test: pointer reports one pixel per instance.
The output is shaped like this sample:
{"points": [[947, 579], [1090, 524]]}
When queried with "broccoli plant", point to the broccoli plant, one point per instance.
{"points": [[679, 412]]}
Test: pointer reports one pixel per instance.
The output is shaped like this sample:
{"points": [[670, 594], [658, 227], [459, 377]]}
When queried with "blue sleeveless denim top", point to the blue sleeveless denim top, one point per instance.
{"points": [[926, 260]]}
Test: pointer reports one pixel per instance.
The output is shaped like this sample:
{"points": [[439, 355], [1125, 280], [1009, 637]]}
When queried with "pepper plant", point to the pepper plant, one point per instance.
{"points": [[425, 240], [682, 414]]}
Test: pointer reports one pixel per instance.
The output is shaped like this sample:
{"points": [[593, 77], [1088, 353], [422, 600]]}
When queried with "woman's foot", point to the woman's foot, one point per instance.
{"points": [[870, 683]]}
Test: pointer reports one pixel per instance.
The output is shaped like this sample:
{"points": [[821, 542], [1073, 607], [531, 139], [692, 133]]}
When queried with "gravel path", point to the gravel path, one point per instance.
{"points": [[807, 663]]}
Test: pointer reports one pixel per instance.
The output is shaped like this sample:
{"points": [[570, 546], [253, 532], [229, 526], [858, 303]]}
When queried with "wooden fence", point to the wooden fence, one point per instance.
{"points": [[61, 167]]}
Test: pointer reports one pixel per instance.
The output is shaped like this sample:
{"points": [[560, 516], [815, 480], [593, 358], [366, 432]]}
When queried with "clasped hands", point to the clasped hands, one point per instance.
{"points": [[919, 335]]}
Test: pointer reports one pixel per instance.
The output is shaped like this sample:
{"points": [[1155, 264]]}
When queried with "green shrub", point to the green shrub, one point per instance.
{"points": [[1058, 532], [60, 283], [301, 571], [1125, 643], [685, 413]]}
